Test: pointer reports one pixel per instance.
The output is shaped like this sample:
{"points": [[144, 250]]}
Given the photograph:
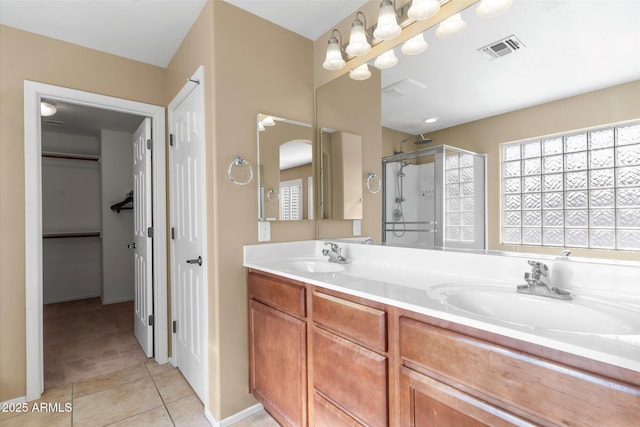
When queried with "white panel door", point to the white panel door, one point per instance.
{"points": [[188, 263], [143, 277]]}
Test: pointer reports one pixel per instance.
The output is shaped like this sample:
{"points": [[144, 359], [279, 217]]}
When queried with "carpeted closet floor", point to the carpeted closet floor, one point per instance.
{"points": [[84, 338]]}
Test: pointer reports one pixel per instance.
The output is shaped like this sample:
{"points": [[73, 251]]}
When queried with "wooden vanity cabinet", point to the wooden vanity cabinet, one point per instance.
{"points": [[454, 376], [326, 359], [278, 347], [350, 364]]}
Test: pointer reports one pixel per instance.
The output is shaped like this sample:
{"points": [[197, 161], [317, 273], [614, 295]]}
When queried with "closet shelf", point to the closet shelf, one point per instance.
{"points": [[68, 234], [71, 156]]}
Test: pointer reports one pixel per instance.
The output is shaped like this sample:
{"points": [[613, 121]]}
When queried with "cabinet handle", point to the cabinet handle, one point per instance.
{"points": [[195, 261], [132, 245]]}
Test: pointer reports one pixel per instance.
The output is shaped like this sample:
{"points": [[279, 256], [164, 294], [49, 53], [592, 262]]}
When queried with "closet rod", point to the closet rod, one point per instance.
{"points": [[67, 235], [70, 156]]}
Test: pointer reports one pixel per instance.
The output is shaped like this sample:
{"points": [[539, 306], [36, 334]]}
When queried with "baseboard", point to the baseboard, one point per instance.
{"points": [[70, 298], [234, 418], [116, 301]]}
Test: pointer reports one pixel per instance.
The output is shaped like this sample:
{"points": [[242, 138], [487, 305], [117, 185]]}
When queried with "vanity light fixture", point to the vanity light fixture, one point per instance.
{"points": [[415, 45], [361, 72], [388, 27], [47, 108], [386, 60], [488, 8], [334, 60], [358, 42], [423, 9], [451, 26]]}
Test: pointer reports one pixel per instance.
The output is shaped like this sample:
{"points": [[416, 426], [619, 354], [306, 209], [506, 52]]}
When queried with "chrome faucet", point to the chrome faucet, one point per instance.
{"points": [[539, 283], [334, 254]]}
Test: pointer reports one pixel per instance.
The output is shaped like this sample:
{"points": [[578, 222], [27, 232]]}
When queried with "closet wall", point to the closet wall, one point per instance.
{"points": [[76, 198], [72, 266]]}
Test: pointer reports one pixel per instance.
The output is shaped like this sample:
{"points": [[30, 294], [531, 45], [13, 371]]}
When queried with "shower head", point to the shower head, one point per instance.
{"points": [[423, 140]]}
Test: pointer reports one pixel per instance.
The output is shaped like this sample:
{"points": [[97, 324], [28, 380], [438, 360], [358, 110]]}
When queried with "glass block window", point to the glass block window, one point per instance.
{"points": [[581, 189], [459, 198]]}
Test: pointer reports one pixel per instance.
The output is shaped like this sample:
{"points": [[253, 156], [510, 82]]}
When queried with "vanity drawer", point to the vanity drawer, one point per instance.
{"points": [[352, 377], [283, 294], [543, 391], [359, 323]]}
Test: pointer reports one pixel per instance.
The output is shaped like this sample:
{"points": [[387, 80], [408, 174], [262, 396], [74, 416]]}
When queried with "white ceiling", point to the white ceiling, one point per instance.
{"points": [[309, 18], [572, 47]]}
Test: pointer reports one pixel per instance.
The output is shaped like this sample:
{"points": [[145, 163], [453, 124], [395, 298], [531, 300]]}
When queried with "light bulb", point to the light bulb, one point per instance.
{"points": [[358, 43], [488, 8], [334, 60], [361, 72], [386, 60], [451, 26], [387, 27], [415, 45], [47, 109], [423, 9]]}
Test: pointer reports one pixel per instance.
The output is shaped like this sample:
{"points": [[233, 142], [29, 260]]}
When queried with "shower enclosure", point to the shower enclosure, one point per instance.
{"points": [[434, 197]]}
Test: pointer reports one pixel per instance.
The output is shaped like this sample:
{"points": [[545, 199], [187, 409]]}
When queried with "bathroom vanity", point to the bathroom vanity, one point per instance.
{"points": [[375, 343]]}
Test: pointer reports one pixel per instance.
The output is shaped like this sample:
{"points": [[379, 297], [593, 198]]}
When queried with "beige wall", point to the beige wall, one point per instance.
{"points": [[355, 107], [269, 70], [26, 56]]}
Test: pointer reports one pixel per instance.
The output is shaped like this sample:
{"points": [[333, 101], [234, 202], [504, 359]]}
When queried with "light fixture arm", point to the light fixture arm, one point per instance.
{"points": [[367, 31], [335, 30]]}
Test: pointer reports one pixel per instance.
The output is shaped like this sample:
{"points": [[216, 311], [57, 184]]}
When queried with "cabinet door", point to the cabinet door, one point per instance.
{"points": [[278, 363], [352, 377], [326, 414], [427, 402]]}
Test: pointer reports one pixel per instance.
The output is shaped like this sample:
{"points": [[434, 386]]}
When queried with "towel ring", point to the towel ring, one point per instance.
{"points": [[273, 195], [239, 161], [373, 177]]}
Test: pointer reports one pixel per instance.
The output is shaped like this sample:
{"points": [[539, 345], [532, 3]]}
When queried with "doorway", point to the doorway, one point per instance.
{"points": [[34, 92]]}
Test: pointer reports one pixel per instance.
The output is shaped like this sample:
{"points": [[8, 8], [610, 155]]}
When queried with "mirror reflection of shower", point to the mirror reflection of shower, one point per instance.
{"points": [[434, 197]]}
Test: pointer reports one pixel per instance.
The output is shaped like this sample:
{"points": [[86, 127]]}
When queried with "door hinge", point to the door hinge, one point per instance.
{"points": [[149, 144], [175, 326], [173, 233], [171, 139], [150, 232], [151, 319]]}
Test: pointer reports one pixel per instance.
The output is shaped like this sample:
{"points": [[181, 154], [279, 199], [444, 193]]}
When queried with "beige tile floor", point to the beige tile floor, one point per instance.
{"points": [[143, 395]]}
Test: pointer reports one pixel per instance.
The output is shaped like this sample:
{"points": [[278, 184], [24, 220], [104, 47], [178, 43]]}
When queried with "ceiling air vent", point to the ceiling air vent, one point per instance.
{"points": [[501, 47], [403, 87]]}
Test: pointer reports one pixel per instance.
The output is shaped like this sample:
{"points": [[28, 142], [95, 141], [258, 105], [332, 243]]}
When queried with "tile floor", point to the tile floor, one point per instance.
{"points": [[84, 338], [146, 394]]}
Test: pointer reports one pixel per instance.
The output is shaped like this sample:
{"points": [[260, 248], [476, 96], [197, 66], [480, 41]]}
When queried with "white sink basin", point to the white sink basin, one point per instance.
{"points": [[313, 265], [581, 315]]}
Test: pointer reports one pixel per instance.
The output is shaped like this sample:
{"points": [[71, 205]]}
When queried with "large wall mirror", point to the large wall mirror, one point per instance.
{"points": [[285, 173], [541, 68]]}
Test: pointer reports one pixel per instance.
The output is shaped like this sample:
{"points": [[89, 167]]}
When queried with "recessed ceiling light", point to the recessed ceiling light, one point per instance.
{"points": [[431, 119]]}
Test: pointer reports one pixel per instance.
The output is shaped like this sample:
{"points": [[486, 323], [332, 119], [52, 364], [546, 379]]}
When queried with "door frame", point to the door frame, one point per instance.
{"points": [[196, 79], [33, 93]]}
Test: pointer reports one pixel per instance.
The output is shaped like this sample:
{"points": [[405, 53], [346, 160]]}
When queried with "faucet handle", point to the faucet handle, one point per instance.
{"points": [[538, 267], [334, 247]]}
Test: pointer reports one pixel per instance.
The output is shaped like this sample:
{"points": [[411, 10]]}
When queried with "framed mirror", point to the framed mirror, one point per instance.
{"points": [[285, 169]]}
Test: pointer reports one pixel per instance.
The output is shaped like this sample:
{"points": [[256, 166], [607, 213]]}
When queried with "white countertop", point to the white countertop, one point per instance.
{"points": [[403, 277]]}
